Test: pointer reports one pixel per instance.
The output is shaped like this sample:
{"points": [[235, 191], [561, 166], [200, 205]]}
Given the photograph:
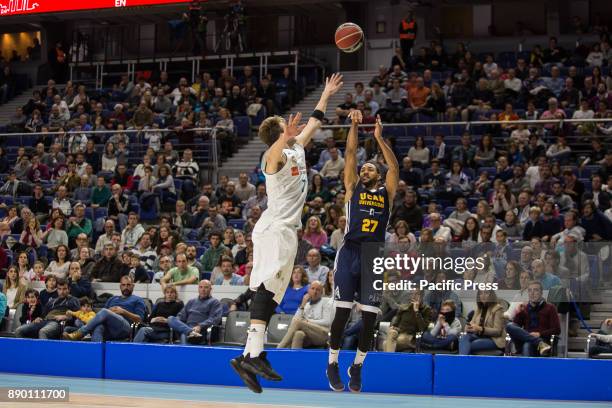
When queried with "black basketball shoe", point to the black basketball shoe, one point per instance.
{"points": [[260, 366], [249, 379], [354, 373], [333, 375]]}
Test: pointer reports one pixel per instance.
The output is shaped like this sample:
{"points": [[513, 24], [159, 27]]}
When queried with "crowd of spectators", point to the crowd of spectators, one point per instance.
{"points": [[519, 191]]}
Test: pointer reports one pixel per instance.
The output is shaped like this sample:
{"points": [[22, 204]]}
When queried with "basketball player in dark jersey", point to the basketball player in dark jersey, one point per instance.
{"points": [[368, 205]]}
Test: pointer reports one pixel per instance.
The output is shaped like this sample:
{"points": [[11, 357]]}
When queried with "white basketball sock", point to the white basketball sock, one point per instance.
{"points": [[359, 357], [255, 340], [333, 356]]}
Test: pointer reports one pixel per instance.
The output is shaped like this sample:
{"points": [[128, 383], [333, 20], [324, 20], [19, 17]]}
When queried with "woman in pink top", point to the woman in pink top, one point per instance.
{"points": [[314, 233]]}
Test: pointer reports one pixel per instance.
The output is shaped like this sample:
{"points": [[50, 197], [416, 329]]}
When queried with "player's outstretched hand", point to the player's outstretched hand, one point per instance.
{"points": [[293, 127], [379, 127], [333, 84], [355, 116]]}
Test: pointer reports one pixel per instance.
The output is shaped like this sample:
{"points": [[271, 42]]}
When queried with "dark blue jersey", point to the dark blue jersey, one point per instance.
{"points": [[367, 215]]}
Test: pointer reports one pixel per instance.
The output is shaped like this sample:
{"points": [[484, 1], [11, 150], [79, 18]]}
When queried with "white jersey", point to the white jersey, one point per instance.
{"points": [[287, 190]]}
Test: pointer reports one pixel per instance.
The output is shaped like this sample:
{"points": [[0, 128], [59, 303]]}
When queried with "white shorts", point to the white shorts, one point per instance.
{"points": [[274, 250]]}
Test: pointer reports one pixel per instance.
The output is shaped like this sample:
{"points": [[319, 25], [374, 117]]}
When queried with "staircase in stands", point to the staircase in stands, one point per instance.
{"points": [[8, 109], [247, 158]]}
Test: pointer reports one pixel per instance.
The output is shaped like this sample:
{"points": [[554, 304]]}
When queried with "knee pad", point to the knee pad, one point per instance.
{"points": [[263, 305]]}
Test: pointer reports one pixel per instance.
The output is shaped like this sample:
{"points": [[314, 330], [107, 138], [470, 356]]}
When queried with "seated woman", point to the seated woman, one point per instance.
{"points": [[486, 330], [314, 232], [603, 339], [445, 333], [318, 189], [59, 267], [511, 276], [146, 196], [14, 290], [164, 188], [158, 328], [298, 287]]}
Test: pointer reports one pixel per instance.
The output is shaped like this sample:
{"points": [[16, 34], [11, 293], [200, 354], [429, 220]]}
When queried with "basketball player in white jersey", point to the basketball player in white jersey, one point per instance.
{"points": [[275, 234]]}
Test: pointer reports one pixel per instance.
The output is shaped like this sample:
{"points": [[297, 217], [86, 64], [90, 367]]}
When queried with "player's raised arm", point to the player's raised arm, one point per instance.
{"points": [[392, 178], [350, 155], [275, 159], [332, 85]]}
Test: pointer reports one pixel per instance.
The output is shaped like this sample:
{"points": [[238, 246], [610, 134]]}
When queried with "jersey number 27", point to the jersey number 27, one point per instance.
{"points": [[369, 225]]}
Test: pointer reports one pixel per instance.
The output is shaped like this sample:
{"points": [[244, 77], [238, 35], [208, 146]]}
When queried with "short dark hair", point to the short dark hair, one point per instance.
{"points": [[85, 301], [215, 234], [62, 282], [270, 130]]}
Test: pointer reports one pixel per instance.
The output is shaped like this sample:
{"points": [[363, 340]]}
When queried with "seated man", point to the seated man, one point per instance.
{"points": [[603, 339], [312, 321], [445, 333], [181, 274], [410, 319], [534, 324], [228, 277], [198, 314], [158, 328], [48, 326], [115, 320]]}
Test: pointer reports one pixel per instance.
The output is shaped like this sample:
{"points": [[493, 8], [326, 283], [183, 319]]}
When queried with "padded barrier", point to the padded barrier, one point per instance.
{"points": [[398, 373], [523, 377], [52, 357], [301, 369]]}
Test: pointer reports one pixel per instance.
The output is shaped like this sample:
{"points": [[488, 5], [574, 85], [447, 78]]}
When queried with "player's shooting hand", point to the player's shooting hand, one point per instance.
{"points": [[293, 127], [355, 116], [333, 84], [379, 128]]}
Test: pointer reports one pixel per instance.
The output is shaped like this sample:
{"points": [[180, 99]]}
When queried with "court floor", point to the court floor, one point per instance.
{"points": [[108, 393]]}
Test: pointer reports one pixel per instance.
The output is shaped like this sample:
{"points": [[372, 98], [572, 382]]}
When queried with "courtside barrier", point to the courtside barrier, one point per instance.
{"points": [[52, 357], [399, 373], [523, 377]]}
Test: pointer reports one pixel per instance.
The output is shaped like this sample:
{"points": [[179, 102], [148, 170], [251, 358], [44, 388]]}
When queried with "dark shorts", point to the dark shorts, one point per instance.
{"points": [[354, 279]]}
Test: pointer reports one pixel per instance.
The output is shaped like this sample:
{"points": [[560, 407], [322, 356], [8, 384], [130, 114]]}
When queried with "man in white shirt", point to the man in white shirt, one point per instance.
{"points": [[311, 323], [61, 201], [132, 232], [314, 269], [441, 233], [244, 190], [334, 165]]}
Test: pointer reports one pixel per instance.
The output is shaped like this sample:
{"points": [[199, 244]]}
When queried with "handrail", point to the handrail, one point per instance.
{"points": [[478, 122], [94, 132], [369, 125]]}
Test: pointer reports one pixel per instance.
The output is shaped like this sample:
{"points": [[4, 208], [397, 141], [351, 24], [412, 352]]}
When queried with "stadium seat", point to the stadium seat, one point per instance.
{"points": [[277, 328], [242, 125], [237, 223], [236, 327], [100, 212]]}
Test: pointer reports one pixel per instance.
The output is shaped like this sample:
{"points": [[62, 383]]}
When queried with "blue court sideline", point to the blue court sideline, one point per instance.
{"points": [[273, 396]]}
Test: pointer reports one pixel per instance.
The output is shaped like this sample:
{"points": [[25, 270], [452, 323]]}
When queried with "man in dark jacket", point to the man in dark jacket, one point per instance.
{"points": [[410, 319], [534, 324], [409, 211], [109, 268], [48, 326]]}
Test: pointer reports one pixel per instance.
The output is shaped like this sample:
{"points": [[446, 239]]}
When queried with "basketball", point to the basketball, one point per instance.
{"points": [[349, 37]]}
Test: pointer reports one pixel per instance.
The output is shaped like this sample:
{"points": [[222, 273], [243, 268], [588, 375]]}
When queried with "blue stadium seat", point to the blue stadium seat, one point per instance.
{"points": [[6, 199], [100, 212], [148, 215], [24, 200], [237, 223], [242, 125], [89, 213]]}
